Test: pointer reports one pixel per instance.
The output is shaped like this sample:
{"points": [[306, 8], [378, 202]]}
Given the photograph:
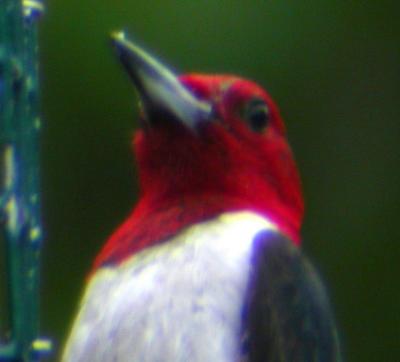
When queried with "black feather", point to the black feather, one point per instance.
{"points": [[287, 315]]}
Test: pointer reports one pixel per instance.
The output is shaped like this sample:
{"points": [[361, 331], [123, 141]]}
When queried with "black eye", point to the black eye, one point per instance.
{"points": [[257, 114]]}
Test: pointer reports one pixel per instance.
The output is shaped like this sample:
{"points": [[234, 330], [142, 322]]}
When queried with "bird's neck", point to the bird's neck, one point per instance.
{"points": [[156, 220]]}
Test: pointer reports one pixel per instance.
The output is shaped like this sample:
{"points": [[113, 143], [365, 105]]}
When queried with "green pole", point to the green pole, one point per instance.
{"points": [[19, 176]]}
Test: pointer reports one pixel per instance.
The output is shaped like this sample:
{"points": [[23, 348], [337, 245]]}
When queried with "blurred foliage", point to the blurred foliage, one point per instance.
{"points": [[334, 69]]}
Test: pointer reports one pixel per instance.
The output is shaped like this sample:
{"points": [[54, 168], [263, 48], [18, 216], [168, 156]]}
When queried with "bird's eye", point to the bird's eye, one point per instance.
{"points": [[257, 114]]}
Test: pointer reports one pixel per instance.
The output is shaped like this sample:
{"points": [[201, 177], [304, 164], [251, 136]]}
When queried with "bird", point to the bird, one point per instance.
{"points": [[208, 265]]}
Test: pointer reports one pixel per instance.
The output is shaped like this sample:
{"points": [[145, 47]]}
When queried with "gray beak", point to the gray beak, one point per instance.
{"points": [[159, 88]]}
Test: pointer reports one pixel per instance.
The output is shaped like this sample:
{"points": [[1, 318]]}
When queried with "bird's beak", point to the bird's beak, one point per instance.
{"points": [[159, 88]]}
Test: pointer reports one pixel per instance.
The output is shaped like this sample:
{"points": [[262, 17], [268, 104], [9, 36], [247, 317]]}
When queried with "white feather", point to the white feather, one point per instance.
{"points": [[178, 301]]}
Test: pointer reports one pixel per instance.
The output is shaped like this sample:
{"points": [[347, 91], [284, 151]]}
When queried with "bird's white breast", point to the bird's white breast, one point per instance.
{"points": [[178, 301]]}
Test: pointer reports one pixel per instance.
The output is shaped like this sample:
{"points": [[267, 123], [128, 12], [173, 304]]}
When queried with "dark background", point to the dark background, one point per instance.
{"points": [[334, 69]]}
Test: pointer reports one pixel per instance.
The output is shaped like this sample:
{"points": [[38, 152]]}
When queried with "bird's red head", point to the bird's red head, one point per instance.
{"points": [[223, 149]]}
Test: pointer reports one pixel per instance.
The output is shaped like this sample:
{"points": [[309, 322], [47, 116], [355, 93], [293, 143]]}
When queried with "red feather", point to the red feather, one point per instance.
{"points": [[187, 178]]}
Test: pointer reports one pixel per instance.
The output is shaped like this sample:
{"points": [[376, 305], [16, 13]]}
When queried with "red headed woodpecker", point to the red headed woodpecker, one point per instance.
{"points": [[207, 267]]}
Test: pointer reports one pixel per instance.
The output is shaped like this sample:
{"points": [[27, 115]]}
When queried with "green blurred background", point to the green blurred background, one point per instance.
{"points": [[334, 69]]}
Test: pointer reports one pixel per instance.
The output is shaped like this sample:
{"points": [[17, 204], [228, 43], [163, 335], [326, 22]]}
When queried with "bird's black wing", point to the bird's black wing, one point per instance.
{"points": [[287, 315]]}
